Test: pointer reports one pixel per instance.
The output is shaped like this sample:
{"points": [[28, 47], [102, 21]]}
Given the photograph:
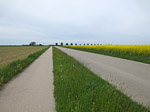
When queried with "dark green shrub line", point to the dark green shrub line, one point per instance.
{"points": [[77, 89], [15, 67], [139, 58]]}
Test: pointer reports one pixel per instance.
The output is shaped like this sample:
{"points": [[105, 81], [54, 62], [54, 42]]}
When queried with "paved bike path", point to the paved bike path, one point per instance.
{"points": [[32, 90]]}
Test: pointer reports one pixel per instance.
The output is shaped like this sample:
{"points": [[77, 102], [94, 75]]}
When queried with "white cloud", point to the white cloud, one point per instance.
{"points": [[107, 21]]}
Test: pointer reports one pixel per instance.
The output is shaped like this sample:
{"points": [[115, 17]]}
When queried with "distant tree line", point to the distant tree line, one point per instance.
{"points": [[34, 44], [61, 44]]}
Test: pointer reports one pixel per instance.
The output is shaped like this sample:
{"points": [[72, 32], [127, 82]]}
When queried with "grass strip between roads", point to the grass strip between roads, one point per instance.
{"points": [[17, 66], [77, 89], [138, 58]]}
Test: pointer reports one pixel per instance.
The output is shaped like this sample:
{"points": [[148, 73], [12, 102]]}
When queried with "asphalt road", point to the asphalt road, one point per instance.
{"points": [[32, 90], [132, 78]]}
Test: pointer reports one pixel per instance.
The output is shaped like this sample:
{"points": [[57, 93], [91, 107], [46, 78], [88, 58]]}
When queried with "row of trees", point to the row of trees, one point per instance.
{"points": [[61, 44]]}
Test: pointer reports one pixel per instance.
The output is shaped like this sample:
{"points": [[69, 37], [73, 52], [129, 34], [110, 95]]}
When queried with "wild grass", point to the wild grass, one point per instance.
{"points": [[12, 69], [77, 89]]}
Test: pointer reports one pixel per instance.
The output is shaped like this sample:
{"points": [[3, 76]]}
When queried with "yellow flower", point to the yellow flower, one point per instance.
{"points": [[143, 50]]}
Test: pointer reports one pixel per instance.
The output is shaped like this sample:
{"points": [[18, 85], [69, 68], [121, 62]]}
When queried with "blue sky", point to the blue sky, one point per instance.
{"points": [[77, 21]]}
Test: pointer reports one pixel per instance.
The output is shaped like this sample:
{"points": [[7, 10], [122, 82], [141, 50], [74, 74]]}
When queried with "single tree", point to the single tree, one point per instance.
{"points": [[66, 43], [71, 44], [56, 44], [61, 43], [32, 43]]}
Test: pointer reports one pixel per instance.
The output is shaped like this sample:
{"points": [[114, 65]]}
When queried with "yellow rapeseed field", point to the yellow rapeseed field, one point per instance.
{"points": [[142, 50]]}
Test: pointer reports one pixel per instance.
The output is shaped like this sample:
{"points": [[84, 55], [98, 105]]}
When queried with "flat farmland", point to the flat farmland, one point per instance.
{"points": [[9, 54]]}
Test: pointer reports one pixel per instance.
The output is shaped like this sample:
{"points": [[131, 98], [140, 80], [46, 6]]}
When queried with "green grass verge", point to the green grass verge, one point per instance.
{"points": [[77, 89], [15, 67], [139, 58]]}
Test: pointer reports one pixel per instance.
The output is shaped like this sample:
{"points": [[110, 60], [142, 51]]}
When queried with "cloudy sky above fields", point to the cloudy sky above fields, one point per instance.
{"points": [[77, 21]]}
